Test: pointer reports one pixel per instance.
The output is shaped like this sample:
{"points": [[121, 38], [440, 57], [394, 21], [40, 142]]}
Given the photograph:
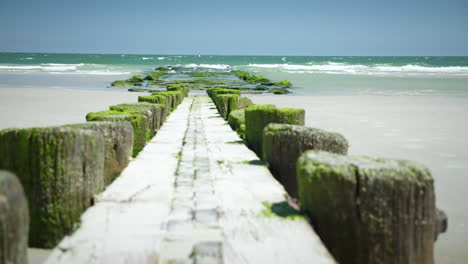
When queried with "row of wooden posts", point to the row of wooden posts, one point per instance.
{"points": [[365, 209], [49, 175]]}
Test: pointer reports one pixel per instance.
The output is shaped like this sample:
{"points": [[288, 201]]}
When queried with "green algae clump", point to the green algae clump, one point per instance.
{"points": [[283, 83]]}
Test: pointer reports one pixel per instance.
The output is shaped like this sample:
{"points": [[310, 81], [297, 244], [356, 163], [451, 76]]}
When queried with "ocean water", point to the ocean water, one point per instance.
{"points": [[332, 75], [428, 112]]}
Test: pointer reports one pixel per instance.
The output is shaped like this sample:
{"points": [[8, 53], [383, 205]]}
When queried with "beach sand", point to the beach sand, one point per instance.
{"points": [[29, 107], [427, 129], [35, 107], [431, 130]]}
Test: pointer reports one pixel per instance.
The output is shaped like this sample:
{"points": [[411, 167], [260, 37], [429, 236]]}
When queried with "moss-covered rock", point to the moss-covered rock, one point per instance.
{"points": [[279, 91], [60, 168], [369, 210], [122, 83], [136, 79], [140, 120], [259, 116], [250, 78], [158, 99], [283, 83], [140, 90], [162, 68], [155, 76], [118, 140], [261, 88], [236, 120], [14, 220], [218, 91], [283, 144]]}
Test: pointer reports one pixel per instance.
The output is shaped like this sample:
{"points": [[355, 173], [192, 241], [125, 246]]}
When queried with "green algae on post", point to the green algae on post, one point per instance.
{"points": [[284, 143], [139, 119], [14, 220], [369, 210], [236, 120], [259, 116], [61, 168]]}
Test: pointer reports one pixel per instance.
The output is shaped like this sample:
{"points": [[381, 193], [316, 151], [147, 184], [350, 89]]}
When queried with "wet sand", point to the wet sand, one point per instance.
{"points": [[428, 129]]}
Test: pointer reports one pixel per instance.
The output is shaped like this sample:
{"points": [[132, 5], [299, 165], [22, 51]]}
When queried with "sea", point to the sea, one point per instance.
{"points": [[310, 75], [403, 107]]}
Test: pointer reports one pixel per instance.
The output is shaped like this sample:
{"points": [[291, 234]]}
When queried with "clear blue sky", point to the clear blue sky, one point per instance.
{"points": [[286, 27]]}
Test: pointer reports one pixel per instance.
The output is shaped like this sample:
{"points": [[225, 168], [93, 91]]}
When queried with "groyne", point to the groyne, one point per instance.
{"points": [[214, 180]]}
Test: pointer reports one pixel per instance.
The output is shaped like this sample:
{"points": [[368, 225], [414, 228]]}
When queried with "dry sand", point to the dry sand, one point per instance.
{"points": [[431, 130], [28, 107], [427, 129], [32, 107]]}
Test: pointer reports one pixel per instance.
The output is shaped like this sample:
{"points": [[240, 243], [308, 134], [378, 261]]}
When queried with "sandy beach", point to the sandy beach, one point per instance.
{"points": [[427, 129], [29, 107]]}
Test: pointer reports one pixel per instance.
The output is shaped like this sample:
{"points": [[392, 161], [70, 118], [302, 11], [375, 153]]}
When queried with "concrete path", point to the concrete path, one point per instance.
{"points": [[195, 194]]}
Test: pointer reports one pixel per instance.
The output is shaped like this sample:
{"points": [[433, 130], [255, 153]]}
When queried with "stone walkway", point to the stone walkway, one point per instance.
{"points": [[195, 194]]}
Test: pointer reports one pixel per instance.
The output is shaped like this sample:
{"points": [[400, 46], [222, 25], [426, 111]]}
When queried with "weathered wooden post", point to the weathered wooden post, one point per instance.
{"points": [[369, 210], [60, 168], [283, 144], [141, 121], [118, 145], [14, 220], [259, 116]]}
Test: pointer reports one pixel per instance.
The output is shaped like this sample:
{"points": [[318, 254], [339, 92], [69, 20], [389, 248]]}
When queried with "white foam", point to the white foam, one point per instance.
{"points": [[147, 58], [211, 66], [161, 58], [29, 58], [59, 68], [342, 68]]}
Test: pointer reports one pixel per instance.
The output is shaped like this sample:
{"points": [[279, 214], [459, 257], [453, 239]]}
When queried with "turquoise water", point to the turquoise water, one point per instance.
{"points": [[332, 75]]}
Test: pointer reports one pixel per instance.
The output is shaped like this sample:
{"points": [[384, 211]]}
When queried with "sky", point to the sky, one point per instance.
{"points": [[223, 27]]}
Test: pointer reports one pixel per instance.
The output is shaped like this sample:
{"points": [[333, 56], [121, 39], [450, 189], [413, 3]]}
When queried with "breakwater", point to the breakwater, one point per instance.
{"points": [[211, 181]]}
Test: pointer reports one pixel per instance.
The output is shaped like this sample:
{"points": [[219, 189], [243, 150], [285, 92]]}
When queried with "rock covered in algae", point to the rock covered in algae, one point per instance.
{"points": [[14, 220], [259, 116], [283, 144], [283, 83], [124, 83], [118, 140], [141, 121], [369, 210], [60, 168], [237, 122], [279, 91]]}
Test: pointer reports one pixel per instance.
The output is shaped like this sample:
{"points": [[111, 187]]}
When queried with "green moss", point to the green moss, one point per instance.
{"points": [[139, 119], [158, 99], [155, 75], [279, 91], [140, 90], [174, 97], [157, 112], [135, 79], [60, 169], [261, 88], [283, 83], [259, 116], [180, 87], [371, 201], [250, 78], [125, 84], [162, 69]]}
